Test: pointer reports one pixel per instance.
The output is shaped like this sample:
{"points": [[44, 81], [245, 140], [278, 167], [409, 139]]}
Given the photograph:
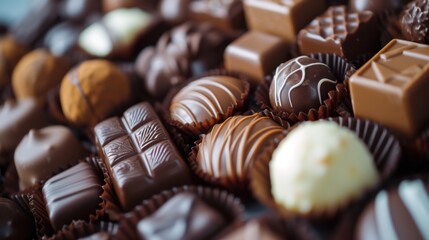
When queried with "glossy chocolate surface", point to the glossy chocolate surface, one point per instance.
{"points": [[184, 216], [51, 148], [415, 21], [253, 230], [281, 18], [340, 32], [228, 151], [256, 55], [378, 7], [72, 195], [300, 84], [391, 88], [141, 158], [174, 12], [79, 10], [399, 213], [206, 98], [14, 223], [61, 40]]}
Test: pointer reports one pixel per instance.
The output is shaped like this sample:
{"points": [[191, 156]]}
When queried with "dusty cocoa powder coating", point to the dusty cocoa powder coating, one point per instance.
{"points": [[300, 84], [11, 52], [415, 21], [43, 151], [38, 72], [92, 91]]}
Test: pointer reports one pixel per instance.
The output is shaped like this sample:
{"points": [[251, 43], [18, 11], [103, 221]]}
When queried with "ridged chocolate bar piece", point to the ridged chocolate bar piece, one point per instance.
{"points": [[140, 155]]}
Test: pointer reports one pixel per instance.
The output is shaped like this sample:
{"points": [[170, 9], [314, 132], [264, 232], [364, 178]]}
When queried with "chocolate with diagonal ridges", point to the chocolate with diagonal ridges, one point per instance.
{"points": [[140, 155]]}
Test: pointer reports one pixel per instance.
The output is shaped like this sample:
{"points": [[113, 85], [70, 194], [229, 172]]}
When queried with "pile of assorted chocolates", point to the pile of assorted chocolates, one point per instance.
{"points": [[215, 119]]}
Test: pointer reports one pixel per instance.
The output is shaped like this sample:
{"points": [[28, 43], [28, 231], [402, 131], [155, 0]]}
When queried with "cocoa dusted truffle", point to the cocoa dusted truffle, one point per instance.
{"points": [[92, 91], [14, 223], [228, 151], [415, 21], [37, 73], [300, 84], [10, 53], [41, 152]]}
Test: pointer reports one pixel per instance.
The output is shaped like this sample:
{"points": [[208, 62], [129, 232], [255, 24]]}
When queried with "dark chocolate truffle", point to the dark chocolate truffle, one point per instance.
{"points": [[378, 7], [207, 99], [37, 73], [184, 216], [72, 195], [41, 152], [301, 84], [228, 151], [399, 213], [415, 21], [10, 53], [92, 91], [14, 223]]}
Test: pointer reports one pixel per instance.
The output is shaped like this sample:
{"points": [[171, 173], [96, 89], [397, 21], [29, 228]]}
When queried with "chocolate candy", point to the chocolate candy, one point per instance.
{"points": [[256, 55], [401, 212], [11, 52], [185, 51], [111, 5], [141, 158], [184, 216], [17, 117], [281, 18], [224, 14], [378, 7], [391, 88], [415, 21], [93, 91], [61, 40], [344, 34], [14, 223], [300, 84], [117, 33], [72, 195], [41, 152], [37, 73], [79, 10], [208, 99], [255, 229], [174, 11], [228, 151]]}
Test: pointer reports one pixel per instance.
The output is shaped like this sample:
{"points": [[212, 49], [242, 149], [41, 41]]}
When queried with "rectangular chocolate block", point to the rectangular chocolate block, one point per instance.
{"points": [[392, 88], [283, 18], [255, 54], [72, 195], [141, 158], [338, 31]]}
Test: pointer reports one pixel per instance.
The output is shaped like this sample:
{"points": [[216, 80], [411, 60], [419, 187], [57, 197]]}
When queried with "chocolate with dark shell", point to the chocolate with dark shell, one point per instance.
{"points": [[415, 21]]}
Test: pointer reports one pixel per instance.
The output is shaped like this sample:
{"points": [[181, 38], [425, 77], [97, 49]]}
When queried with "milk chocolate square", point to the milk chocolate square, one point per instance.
{"points": [[141, 158], [392, 88], [283, 18], [255, 54], [338, 31]]}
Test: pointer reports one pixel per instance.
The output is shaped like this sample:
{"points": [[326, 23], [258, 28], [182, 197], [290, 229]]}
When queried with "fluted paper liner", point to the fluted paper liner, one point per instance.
{"points": [[37, 203], [337, 104], [226, 203], [79, 229], [383, 145], [194, 129]]}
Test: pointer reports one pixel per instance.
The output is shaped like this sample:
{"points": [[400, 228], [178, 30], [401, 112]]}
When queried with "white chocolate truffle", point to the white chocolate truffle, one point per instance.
{"points": [[318, 167]]}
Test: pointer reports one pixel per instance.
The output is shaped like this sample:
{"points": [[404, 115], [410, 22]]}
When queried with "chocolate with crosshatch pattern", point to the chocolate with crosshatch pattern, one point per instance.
{"points": [[140, 156]]}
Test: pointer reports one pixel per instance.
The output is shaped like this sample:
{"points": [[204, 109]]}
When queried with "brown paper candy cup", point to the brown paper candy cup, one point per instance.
{"points": [[194, 129], [226, 203], [79, 229], [383, 145], [337, 104], [37, 203]]}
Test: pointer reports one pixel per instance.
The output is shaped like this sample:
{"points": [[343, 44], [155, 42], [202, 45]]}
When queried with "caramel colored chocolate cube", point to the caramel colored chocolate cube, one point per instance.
{"points": [[392, 88], [255, 54], [283, 18], [342, 33]]}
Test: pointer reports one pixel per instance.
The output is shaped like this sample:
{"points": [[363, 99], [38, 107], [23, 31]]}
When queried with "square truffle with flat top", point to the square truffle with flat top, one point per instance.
{"points": [[255, 54], [392, 88], [283, 18]]}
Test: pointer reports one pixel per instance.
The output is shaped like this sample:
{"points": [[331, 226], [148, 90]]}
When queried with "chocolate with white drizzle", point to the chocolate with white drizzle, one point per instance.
{"points": [[398, 213], [300, 84]]}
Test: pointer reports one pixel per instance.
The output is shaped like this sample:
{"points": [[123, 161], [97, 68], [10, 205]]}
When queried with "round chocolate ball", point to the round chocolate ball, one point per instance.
{"points": [[38, 72], [93, 91], [10, 53], [301, 84], [415, 21], [378, 7], [397, 213], [228, 151], [14, 223]]}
